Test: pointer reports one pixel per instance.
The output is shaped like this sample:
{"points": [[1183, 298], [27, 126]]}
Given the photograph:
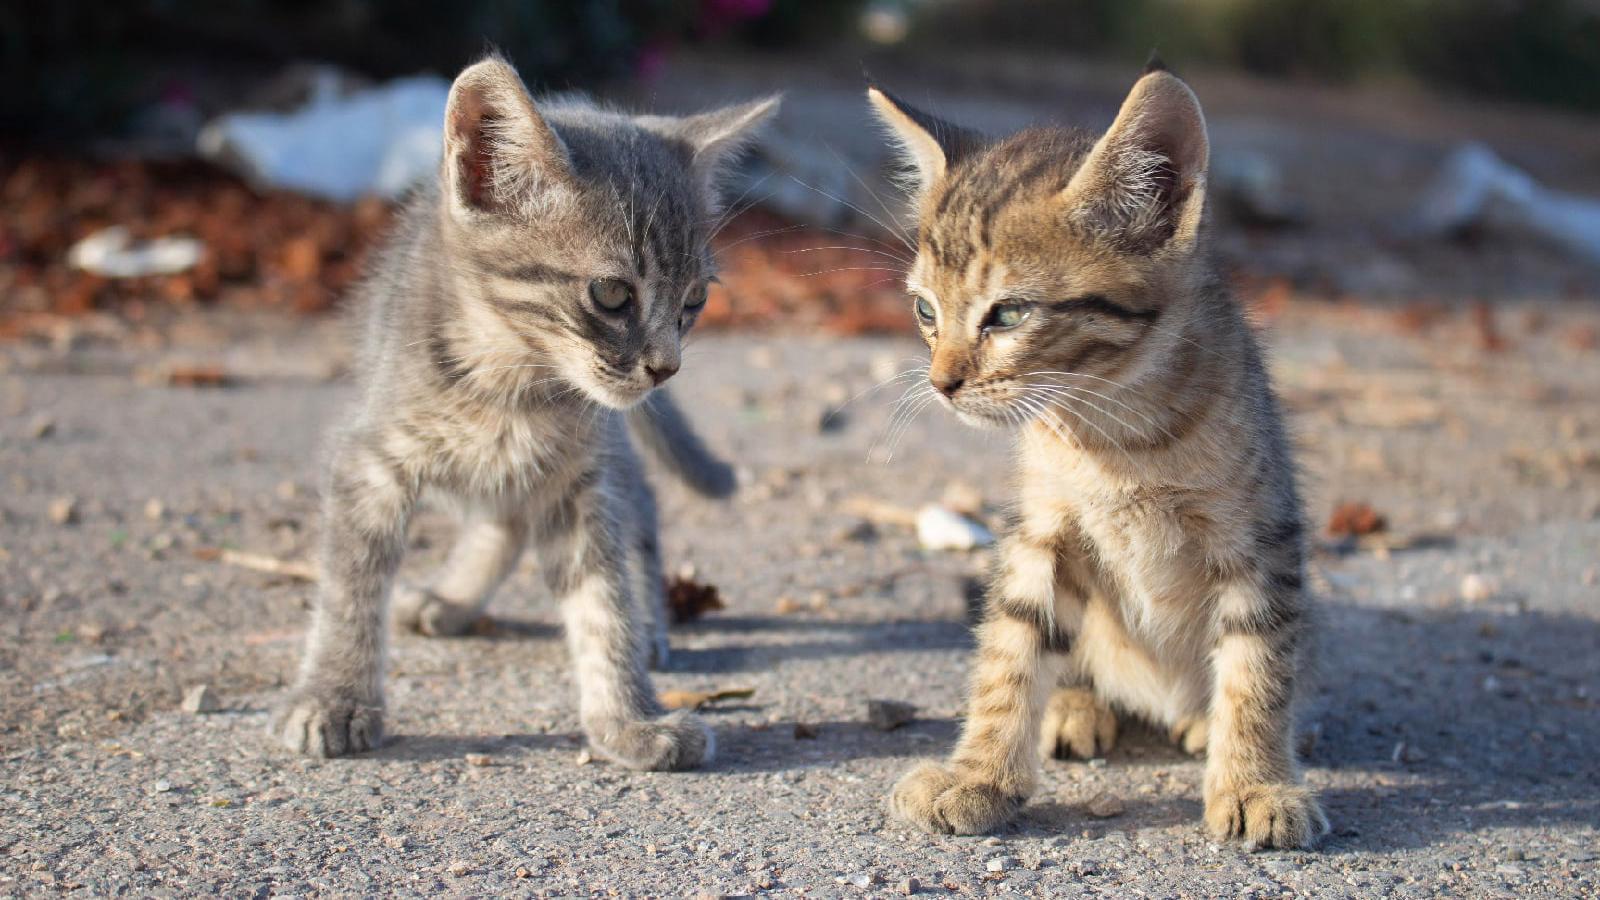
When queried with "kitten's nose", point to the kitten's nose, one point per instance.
{"points": [[662, 371], [948, 384]]}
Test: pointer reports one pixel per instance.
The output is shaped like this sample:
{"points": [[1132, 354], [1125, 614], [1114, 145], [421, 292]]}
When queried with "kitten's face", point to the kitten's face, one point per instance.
{"points": [[583, 231], [603, 288], [1046, 262]]}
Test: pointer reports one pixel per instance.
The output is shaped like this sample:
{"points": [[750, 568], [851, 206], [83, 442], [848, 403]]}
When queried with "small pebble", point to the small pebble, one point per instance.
{"points": [[786, 605], [860, 880], [479, 759], [887, 715], [585, 757], [805, 732], [199, 700], [154, 509], [63, 510], [909, 886], [1001, 864], [162, 786], [1105, 805], [1515, 855], [524, 872], [41, 427], [1477, 588], [458, 868]]}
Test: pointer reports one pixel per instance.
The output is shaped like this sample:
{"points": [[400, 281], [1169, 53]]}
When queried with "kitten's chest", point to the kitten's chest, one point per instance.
{"points": [[491, 450]]}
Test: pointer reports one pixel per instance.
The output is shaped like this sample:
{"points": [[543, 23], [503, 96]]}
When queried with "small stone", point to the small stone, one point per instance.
{"points": [[154, 509], [524, 872], [479, 759], [805, 732], [940, 528], [199, 700], [887, 715], [41, 427], [909, 886], [1515, 855], [585, 757], [162, 786], [287, 490], [1477, 588], [1001, 864], [786, 605], [63, 511], [860, 880], [1105, 805], [458, 868], [762, 881]]}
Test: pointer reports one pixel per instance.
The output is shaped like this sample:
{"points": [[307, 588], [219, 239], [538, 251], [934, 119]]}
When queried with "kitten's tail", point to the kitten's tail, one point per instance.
{"points": [[659, 425]]}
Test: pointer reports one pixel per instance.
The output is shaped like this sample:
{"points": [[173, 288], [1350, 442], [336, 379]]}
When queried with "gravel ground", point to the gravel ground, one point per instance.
{"points": [[1458, 716]]}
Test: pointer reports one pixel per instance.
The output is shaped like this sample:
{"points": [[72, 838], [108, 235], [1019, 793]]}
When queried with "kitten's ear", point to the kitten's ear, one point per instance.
{"points": [[717, 138], [1143, 185], [500, 156], [929, 144]]}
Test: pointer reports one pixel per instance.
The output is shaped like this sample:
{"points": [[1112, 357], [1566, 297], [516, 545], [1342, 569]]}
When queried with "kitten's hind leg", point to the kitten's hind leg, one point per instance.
{"points": [[1077, 725], [491, 541], [582, 547], [336, 704]]}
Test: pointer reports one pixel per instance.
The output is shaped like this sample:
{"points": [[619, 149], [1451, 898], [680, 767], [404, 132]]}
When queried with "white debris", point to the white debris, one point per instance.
{"points": [[1475, 187], [940, 528], [114, 253], [339, 145]]}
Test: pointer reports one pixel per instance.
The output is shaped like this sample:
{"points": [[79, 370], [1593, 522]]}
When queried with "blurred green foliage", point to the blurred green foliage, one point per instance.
{"points": [[1546, 51]]}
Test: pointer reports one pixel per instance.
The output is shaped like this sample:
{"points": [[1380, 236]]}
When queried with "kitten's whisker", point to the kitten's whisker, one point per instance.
{"points": [[900, 405], [852, 269], [755, 236], [927, 398], [864, 186], [1087, 421], [1069, 396], [872, 389], [1083, 390], [900, 257], [904, 238]]}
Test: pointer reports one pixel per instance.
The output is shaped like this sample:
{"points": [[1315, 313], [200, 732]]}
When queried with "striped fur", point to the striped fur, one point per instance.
{"points": [[1156, 564], [495, 382]]}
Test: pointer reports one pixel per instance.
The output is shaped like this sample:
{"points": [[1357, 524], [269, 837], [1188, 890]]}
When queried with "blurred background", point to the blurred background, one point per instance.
{"points": [[163, 155]]}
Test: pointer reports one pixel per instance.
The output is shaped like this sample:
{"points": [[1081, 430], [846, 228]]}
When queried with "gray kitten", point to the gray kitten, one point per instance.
{"points": [[518, 322]]}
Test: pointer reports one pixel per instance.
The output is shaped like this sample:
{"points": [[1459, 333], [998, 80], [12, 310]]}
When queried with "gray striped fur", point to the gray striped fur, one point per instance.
{"points": [[493, 382]]}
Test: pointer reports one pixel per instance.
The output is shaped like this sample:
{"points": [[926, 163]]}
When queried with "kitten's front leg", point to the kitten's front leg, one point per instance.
{"points": [[336, 704], [1250, 787], [582, 545], [995, 765]]}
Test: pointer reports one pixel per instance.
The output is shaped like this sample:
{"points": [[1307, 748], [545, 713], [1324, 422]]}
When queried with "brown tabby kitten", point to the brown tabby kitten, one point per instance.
{"points": [[518, 325], [1156, 563]]}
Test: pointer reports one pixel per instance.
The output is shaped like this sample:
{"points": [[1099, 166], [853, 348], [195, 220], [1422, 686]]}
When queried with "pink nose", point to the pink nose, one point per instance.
{"points": [[948, 384]]}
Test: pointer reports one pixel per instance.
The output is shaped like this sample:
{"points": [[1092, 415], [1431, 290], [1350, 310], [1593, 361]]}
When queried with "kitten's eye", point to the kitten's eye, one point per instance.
{"points": [[610, 293], [925, 310], [697, 296], [1006, 315]]}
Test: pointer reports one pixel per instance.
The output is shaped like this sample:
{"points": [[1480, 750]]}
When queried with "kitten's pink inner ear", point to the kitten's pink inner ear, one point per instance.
{"points": [[476, 159]]}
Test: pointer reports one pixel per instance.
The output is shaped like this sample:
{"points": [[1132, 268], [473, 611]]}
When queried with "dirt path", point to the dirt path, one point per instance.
{"points": [[1458, 733]]}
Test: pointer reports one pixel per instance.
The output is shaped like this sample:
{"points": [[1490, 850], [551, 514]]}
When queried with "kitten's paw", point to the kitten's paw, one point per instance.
{"points": [[1281, 816], [672, 742], [421, 610], [942, 800], [1077, 725], [1191, 734], [323, 726]]}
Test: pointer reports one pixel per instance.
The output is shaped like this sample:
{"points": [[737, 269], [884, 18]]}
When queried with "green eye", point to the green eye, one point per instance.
{"points": [[610, 293], [925, 310], [1006, 315], [697, 296]]}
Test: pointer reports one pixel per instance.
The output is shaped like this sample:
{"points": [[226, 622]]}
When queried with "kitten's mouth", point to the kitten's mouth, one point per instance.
{"points": [[621, 396], [980, 414]]}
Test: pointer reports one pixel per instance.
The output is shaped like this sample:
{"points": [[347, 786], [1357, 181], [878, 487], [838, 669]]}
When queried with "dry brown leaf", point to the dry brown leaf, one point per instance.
{"points": [[1354, 520], [688, 599], [672, 700]]}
